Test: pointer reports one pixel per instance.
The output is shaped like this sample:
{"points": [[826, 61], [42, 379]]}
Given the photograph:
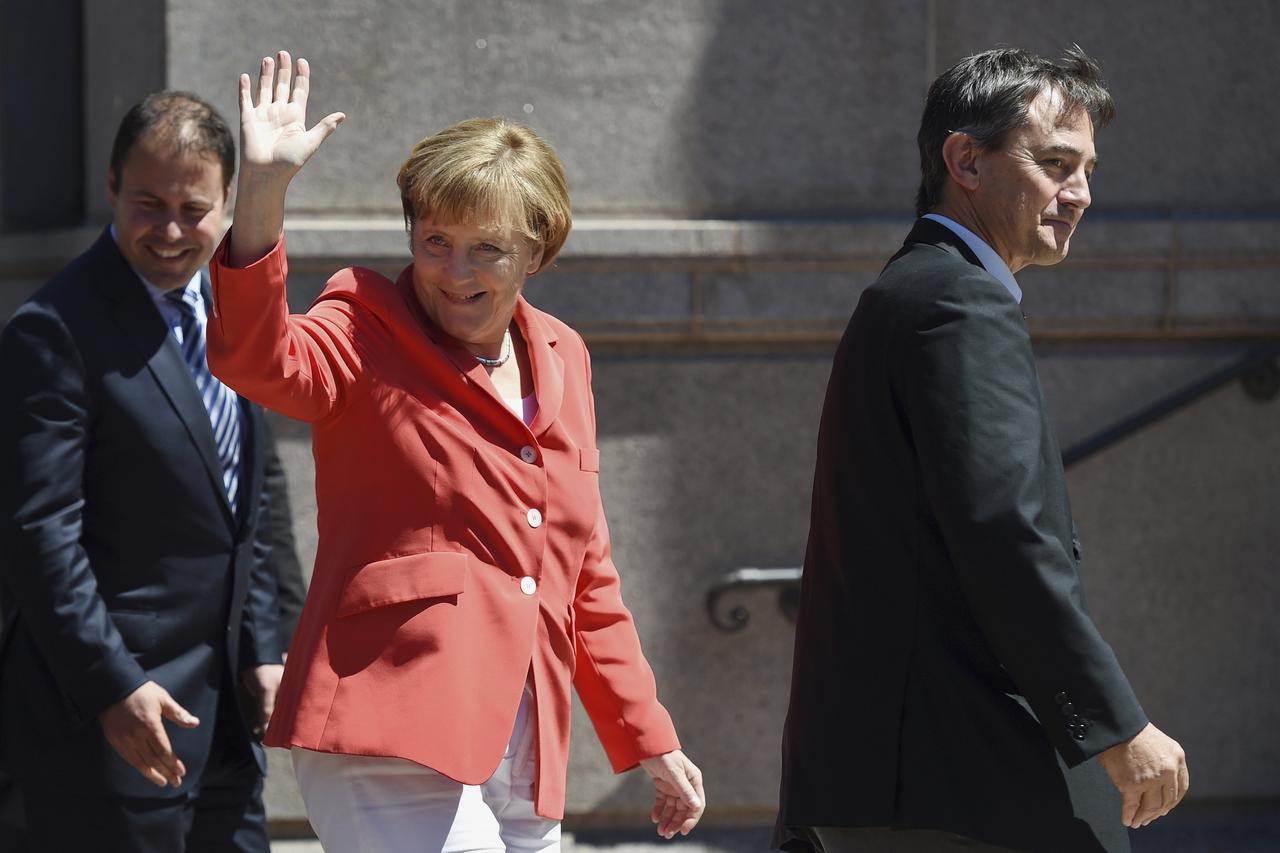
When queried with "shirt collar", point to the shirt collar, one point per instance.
{"points": [[992, 262]]}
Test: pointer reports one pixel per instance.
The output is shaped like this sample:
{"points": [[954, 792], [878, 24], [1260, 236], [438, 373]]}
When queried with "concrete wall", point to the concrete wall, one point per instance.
{"points": [[740, 172]]}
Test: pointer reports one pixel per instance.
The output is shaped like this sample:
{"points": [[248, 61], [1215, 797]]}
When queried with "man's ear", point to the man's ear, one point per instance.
{"points": [[960, 153], [113, 188]]}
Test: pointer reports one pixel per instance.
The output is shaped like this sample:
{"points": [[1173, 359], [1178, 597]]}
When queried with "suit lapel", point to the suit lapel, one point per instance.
{"points": [[142, 327]]}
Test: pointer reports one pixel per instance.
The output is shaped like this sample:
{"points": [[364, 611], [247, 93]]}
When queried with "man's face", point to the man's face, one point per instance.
{"points": [[1032, 192], [167, 209]]}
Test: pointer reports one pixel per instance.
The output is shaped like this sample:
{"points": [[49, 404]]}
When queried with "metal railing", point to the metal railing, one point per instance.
{"points": [[1259, 376]]}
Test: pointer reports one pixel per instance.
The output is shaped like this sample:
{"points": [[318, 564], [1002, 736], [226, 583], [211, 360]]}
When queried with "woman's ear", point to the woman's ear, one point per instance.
{"points": [[535, 259], [960, 152]]}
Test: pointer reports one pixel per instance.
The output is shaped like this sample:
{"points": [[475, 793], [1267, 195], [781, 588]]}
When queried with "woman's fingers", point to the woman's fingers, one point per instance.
{"points": [[266, 74], [284, 73], [246, 94], [669, 806], [301, 84], [326, 126]]}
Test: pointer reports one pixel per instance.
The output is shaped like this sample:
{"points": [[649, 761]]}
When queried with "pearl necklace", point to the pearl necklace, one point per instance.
{"points": [[502, 359]]}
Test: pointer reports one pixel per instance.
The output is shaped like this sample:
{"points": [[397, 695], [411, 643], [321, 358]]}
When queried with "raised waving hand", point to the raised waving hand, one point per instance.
{"points": [[274, 144]]}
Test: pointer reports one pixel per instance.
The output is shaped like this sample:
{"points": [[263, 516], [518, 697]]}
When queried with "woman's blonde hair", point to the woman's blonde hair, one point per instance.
{"points": [[489, 170]]}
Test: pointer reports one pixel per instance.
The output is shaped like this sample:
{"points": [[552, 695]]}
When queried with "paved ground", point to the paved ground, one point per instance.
{"points": [[1198, 827]]}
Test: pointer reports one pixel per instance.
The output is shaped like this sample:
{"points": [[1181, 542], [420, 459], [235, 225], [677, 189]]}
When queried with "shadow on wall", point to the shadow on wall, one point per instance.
{"points": [[807, 115]]}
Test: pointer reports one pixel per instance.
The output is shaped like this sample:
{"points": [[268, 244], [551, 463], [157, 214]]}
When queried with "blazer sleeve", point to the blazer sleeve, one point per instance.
{"points": [[612, 677], [976, 417], [301, 365], [45, 416]]}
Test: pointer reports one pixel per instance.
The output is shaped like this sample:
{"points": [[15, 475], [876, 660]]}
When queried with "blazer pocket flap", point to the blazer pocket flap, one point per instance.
{"points": [[408, 578], [589, 457]]}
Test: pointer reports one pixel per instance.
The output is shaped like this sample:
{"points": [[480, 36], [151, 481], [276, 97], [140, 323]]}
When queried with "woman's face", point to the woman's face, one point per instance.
{"points": [[468, 277]]}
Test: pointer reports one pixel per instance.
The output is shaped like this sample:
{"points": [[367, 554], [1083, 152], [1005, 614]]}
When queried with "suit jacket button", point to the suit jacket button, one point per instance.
{"points": [[1068, 709], [1078, 733], [1062, 698]]}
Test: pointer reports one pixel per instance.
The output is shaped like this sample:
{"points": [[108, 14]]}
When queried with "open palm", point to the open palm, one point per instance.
{"points": [[273, 134]]}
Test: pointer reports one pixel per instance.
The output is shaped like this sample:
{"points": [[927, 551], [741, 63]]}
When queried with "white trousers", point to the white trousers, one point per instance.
{"points": [[370, 804]]}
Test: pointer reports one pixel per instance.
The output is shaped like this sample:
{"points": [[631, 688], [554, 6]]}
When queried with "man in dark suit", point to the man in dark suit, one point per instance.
{"points": [[142, 608], [949, 689]]}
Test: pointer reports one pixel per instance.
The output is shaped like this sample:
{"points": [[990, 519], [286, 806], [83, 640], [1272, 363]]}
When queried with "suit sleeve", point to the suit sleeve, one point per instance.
{"points": [[45, 422], [260, 622], [301, 365], [291, 589], [975, 413], [612, 677]]}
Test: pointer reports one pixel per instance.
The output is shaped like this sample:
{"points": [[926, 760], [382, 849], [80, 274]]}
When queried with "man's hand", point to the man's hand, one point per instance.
{"points": [[1150, 769], [678, 799], [134, 728], [262, 682]]}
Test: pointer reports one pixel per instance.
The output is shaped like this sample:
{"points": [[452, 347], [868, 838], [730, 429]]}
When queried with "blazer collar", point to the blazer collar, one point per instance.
{"points": [[540, 338], [142, 327]]}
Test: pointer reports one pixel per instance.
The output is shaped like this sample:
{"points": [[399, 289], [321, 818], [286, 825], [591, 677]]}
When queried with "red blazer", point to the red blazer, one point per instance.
{"points": [[459, 550]]}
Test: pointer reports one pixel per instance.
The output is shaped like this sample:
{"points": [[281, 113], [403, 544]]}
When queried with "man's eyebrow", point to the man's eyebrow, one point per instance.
{"points": [[1064, 148]]}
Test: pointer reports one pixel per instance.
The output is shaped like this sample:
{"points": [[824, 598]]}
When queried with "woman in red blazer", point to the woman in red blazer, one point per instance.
{"points": [[463, 580]]}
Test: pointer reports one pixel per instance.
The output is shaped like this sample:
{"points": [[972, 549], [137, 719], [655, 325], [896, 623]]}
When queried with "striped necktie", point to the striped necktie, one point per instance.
{"points": [[219, 401]]}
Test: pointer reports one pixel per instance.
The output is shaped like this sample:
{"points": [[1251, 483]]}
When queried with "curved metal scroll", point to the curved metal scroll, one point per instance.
{"points": [[737, 617]]}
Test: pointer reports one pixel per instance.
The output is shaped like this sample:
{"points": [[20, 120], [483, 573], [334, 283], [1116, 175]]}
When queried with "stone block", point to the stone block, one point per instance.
{"points": [[1244, 295], [1062, 296], [612, 296], [783, 296], [702, 109]]}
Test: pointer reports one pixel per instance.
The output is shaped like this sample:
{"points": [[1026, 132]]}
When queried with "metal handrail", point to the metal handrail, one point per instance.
{"points": [[1257, 371]]}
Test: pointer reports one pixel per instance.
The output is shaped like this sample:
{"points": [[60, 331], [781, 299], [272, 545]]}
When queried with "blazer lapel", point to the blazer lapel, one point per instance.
{"points": [[539, 337], [143, 327], [548, 367]]}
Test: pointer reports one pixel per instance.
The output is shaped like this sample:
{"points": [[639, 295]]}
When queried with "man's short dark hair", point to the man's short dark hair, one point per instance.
{"points": [[989, 94], [180, 120]]}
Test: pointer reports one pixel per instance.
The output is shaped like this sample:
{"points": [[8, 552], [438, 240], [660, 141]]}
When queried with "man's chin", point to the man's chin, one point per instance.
{"points": [[1053, 254]]}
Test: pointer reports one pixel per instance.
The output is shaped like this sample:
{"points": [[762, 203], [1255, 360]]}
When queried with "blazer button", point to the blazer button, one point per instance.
{"points": [[528, 585], [1068, 709], [1062, 698], [528, 454], [535, 518]]}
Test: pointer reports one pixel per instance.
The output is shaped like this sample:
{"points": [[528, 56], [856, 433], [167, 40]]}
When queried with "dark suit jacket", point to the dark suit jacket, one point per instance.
{"points": [[944, 652], [291, 587], [122, 560]]}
